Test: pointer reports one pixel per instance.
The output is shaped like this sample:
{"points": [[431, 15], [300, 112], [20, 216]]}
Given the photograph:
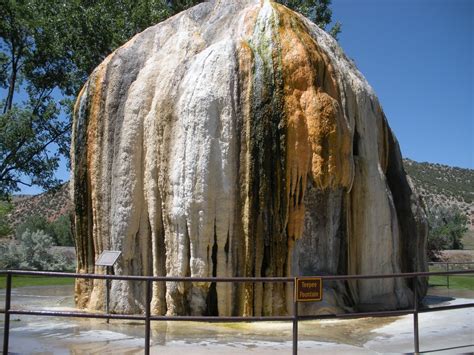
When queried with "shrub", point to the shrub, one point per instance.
{"points": [[447, 228], [62, 231], [32, 223], [33, 251], [59, 230]]}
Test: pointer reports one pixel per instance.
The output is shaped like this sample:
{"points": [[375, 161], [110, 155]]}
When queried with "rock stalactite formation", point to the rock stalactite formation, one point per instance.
{"points": [[237, 139]]}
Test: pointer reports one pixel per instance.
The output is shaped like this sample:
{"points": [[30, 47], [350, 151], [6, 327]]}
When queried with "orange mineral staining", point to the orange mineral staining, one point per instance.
{"points": [[318, 137], [216, 144]]}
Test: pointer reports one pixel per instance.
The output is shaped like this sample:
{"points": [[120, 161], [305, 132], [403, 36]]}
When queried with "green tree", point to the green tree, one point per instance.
{"points": [[318, 11], [47, 50], [32, 134], [59, 230], [62, 231], [447, 228], [33, 223]]}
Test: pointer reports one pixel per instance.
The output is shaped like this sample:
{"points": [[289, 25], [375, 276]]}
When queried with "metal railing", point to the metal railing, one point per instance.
{"points": [[446, 266], [295, 317]]}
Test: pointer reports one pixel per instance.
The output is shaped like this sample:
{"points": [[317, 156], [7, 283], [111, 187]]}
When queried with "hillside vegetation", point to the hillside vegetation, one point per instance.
{"points": [[442, 185], [439, 185], [50, 205]]}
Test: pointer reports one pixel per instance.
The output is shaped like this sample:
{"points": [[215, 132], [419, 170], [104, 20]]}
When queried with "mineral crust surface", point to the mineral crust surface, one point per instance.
{"points": [[237, 139]]}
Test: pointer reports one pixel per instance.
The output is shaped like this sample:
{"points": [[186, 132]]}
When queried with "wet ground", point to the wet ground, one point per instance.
{"points": [[447, 332]]}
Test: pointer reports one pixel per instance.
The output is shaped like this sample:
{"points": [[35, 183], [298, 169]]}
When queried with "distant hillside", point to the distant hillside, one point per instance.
{"points": [[50, 205], [443, 185], [437, 184]]}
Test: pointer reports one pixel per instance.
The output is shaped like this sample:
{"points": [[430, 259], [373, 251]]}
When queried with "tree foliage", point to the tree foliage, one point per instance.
{"points": [[318, 11], [447, 228], [59, 230], [33, 252], [47, 50], [32, 67], [62, 232]]}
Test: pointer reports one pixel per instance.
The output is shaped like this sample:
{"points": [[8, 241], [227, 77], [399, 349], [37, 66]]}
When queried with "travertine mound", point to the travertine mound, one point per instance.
{"points": [[237, 139]]}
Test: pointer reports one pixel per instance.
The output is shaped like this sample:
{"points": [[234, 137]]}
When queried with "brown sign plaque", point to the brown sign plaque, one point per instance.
{"points": [[308, 289]]}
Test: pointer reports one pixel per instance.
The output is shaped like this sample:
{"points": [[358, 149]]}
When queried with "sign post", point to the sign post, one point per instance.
{"points": [[107, 258], [307, 289]]}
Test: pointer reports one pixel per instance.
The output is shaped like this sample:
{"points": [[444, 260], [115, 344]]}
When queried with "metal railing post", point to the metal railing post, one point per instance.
{"points": [[447, 276], [295, 321], [107, 293], [147, 317], [6, 330], [415, 316]]}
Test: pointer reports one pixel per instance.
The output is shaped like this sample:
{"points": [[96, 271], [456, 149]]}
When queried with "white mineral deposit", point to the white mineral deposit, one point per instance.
{"points": [[237, 139]]}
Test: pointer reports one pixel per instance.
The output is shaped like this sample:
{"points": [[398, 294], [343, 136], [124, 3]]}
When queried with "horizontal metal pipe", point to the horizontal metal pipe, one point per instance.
{"points": [[445, 308], [76, 314], [146, 278], [153, 318], [217, 319], [398, 275], [358, 315], [229, 279], [450, 263], [237, 318]]}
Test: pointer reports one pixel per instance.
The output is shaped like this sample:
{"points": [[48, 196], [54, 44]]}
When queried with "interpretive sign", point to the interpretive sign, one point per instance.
{"points": [[308, 289], [108, 258]]}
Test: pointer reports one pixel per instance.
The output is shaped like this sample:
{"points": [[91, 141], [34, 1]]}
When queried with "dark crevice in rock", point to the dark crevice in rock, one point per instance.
{"points": [[161, 259], [185, 306], [343, 288], [212, 305], [226, 248], [355, 143], [413, 227], [342, 268], [300, 191]]}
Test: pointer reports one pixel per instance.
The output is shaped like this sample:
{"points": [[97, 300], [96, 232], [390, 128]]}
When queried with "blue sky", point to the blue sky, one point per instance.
{"points": [[418, 57]]}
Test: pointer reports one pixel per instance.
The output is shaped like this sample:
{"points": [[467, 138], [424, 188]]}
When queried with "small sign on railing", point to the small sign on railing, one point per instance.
{"points": [[308, 289], [108, 258]]}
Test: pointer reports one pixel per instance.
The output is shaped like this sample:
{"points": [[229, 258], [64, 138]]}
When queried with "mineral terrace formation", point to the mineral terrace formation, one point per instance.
{"points": [[237, 139]]}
